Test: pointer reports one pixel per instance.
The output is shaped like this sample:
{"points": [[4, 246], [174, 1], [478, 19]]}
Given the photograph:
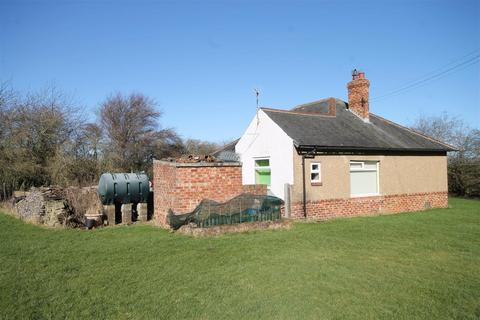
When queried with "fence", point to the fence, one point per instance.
{"points": [[243, 208]]}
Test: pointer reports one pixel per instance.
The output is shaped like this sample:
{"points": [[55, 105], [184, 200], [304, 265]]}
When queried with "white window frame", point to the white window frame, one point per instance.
{"points": [[363, 169], [319, 171], [255, 159]]}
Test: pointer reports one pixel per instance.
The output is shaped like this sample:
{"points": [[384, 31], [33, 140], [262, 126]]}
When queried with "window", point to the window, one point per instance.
{"points": [[364, 178], [262, 171], [315, 173]]}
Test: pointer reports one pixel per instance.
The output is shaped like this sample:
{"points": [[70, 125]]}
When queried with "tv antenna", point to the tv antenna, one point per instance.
{"points": [[257, 94]]}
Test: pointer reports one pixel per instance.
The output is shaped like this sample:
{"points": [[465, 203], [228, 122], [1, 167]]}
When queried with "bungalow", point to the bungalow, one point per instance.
{"points": [[331, 158]]}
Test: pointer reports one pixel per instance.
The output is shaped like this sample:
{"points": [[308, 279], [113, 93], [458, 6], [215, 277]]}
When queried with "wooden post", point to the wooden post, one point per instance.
{"points": [[288, 200], [4, 192]]}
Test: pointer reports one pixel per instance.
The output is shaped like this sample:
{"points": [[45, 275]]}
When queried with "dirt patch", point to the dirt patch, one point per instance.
{"points": [[192, 229]]}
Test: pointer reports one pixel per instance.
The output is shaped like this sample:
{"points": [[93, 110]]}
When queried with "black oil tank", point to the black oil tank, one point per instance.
{"points": [[123, 188]]}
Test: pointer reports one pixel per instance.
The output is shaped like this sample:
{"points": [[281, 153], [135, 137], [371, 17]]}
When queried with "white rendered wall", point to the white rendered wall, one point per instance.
{"points": [[265, 139]]}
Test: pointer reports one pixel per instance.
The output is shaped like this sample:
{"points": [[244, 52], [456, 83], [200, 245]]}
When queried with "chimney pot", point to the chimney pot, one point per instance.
{"points": [[354, 74]]}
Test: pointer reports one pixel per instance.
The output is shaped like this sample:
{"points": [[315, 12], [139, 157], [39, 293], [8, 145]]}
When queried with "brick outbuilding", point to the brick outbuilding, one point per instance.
{"points": [[181, 186]]}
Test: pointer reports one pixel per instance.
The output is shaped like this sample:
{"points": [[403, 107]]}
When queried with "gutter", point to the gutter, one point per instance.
{"points": [[304, 189], [307, 149]]}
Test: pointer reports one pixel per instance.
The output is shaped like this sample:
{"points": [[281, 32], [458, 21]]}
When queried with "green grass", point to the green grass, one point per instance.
{"points": [[416, 265]]}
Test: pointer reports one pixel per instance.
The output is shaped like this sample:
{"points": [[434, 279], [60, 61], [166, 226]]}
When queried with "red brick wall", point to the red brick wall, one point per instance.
{"points": [[197, 183], [164, 190], [257, 189], [358, 97], [333, 208], [181, 186]]}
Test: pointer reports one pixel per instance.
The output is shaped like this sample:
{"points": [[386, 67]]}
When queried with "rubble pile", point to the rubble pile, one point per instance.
{"points": [[41, 205], [193, 159], [54, 206]]}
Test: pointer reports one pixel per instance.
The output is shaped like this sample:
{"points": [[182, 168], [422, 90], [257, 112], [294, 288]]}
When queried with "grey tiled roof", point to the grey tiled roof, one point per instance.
{"points": [[229, 147], [346, 131]]}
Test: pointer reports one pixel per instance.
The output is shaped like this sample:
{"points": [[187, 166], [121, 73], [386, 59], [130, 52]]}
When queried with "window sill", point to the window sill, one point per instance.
{"points": [[316, 184], [365, 195]]}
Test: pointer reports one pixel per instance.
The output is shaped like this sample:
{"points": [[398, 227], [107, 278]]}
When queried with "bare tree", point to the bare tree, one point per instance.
{"points": [[167, 143], [35, 130], [131, 124], [199, 147], [446, 128], [80, 161], [92, 138], [463, 165], [45, 140]]}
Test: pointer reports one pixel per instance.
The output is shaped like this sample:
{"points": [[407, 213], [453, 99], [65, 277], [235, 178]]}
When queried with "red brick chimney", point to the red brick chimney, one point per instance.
{"points": [[358, 94]]}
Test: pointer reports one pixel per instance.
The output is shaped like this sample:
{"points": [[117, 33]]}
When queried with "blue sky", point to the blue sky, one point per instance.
{"points": [[200, 60]]}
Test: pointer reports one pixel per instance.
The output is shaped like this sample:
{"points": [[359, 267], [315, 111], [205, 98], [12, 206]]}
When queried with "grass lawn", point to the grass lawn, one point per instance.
{"points": [[415, 265]]}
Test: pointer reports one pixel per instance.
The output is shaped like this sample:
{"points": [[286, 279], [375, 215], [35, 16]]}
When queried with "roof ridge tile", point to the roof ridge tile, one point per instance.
{"points": [[298, 112]]}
